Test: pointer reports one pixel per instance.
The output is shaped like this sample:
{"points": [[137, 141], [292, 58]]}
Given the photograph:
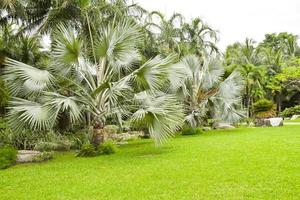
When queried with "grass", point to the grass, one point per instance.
{"points": [[245, 163], [294, 120]]}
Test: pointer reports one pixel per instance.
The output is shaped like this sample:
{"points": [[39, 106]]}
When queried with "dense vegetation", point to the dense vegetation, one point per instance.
{"points": [[70, 68]]}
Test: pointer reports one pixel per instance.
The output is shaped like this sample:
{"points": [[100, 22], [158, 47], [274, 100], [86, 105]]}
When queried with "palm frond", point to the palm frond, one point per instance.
{"points": [[162, 114], [23, 77]]}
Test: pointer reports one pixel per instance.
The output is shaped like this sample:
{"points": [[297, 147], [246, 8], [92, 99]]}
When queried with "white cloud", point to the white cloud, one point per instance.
{"points": [[236, 19]]}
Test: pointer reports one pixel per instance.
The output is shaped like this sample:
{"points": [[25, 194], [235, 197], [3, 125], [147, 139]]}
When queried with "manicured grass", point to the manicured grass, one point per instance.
{"points": [[245, 163], [295, 120]]}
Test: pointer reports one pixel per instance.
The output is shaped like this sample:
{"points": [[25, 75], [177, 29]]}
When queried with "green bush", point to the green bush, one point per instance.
{"points": [[53, 146], [111, 129], [8, 156], [191, 131], [263, 105], [87, 150], [108, 147], [77, 140], [3, 124], [288, 112], [44, 156], [45, 146]]}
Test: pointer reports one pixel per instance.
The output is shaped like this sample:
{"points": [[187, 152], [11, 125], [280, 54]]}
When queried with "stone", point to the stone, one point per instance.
{"points": [[295, 117], [24, 156], [223, 125], [206, 128], [275, 121], [131, 135]]}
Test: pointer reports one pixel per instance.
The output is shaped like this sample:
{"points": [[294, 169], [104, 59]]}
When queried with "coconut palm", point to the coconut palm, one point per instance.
{"points": [[200, 37], [167, 32], [204, 90], [116, 85]]}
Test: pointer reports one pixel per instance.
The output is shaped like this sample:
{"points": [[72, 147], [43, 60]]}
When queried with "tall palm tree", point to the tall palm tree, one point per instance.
{"points": [[200, 37], [168, 33], [245, 58], [115, 85]]}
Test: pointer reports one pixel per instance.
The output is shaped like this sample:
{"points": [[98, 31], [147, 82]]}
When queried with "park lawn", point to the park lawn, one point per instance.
{"points": [[294, 120], [245, 163]]}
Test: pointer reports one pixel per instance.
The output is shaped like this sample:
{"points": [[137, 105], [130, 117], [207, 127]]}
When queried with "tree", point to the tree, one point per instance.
{"points": [[245, 58], [115, 85], [205, 92], [168, 35], [199, 37]]}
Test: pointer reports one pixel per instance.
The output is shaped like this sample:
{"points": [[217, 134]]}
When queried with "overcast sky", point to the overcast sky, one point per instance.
{"points": [[236, 19]]}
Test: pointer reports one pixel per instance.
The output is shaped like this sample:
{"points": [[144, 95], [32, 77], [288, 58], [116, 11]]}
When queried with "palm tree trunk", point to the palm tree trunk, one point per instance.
{"points": [[91, 36]]}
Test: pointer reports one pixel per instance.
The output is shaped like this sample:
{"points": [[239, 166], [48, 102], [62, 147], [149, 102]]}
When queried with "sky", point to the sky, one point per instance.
{"points": [[236, 19]]}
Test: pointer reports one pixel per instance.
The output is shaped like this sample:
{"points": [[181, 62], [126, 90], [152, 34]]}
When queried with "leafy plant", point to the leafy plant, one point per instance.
{"points": [[44, 156], [87, 150], [263, 105], [288, 112], [8, 156], [108, 147], [191, 131], [110, 85]]}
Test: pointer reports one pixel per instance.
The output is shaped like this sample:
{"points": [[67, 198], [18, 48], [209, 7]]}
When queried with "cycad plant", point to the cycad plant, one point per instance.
{"points": [[113, 84], [205, 91]]}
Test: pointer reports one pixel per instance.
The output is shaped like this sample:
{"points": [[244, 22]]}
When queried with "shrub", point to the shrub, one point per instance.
{"points": [[3, 124], [45, 146], [263, 105], [87, 150], [288, 112], [191, 131], [77, 140], [53, 146], [8, 156], [111, 129], [108, 147], [43, 157]]}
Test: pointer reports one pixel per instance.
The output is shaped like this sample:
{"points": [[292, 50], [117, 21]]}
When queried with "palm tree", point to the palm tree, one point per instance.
{"points": [[200, 37], [245, 58], [169, 32], [204, 90], [113, 86]]}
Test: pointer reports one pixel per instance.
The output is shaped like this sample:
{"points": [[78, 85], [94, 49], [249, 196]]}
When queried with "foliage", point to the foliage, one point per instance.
{"points": [[108, 147], [205, 91], [44, 156], [263, 105], [8, 156], [105, 87], [87, 150], [191, 131], [53, 146], [288, 112], [111, 129]]}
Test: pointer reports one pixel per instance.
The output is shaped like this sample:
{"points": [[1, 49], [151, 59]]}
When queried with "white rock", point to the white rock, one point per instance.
{"points": [[276, 121], [26, 155], [223, 125]]}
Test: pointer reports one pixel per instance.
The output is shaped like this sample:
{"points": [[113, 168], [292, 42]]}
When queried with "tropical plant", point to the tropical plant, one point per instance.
{"points": [[113, 86], [205, 92]]}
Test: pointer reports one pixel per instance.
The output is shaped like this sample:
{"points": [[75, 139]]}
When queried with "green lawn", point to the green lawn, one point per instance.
{"points": [[246, 163], [295, 120]]}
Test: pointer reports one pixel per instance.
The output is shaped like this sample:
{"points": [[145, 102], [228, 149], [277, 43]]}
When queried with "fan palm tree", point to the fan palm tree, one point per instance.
{"points": [[115, 85], [204, 90]]}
